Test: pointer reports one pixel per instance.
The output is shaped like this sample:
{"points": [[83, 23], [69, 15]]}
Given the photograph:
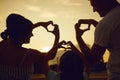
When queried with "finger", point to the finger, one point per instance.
{"points": [[86, 30], [89, 26], [55, 25], [95, 23], [46, 28], [69, 42], [49, 31], [77, 25], [63, 42], [51, 22], [62, 47]]}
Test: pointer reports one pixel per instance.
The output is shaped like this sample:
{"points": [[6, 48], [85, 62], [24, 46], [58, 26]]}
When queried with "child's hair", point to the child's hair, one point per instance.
{"points": [[71, 66]]}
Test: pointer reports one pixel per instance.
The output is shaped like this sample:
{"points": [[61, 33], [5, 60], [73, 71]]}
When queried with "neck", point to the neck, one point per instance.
{"points": [[111, 6], [115, 5], [17, 44]]}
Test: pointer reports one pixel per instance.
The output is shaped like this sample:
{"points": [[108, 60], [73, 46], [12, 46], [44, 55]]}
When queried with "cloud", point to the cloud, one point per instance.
{"points": [[48, 14], [69, 2], [33, 8], [1, 17], [75, 4]]}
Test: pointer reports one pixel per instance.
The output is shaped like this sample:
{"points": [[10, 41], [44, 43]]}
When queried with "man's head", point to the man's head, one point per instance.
{"points": [[103, 6]]}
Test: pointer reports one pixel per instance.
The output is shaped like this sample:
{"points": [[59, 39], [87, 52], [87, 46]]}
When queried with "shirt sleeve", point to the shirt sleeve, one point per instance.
{"points": [[102, 34]]}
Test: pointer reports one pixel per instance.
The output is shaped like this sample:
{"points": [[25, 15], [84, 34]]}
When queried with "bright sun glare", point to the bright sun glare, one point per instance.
{"points": [[45, 49]]}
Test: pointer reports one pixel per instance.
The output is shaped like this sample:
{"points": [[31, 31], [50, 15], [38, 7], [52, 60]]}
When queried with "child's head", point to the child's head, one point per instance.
{"points": [[71, 65]]}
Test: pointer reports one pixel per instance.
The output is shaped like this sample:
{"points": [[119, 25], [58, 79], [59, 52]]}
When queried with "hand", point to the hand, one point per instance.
{"points": [[44, 24], [60, 44], [56, 30], [70, 44], [84, 21], [88, 21], [66, 45], [80, 31]]}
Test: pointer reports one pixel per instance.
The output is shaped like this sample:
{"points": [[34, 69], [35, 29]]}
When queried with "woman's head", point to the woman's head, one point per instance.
{"points": [[71, 64], [17, 26]]}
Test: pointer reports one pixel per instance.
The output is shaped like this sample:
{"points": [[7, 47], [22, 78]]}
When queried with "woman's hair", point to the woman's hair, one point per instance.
{"points": [[16, 25], [71, 66]]}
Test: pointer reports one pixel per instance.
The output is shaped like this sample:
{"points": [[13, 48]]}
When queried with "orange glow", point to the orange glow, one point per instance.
{"points": [[45, 49], [65, 13]]}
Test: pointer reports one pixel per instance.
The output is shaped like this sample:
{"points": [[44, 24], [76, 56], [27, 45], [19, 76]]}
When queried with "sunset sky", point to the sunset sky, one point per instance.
{"points": [[65, 13]]}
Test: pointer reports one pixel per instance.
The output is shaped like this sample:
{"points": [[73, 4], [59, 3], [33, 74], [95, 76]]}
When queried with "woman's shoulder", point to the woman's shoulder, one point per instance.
{"points": [[3, 44], [34, 53], [33, 50]]}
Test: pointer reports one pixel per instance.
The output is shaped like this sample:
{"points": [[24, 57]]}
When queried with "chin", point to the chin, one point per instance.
{"points": [[101, 15]]}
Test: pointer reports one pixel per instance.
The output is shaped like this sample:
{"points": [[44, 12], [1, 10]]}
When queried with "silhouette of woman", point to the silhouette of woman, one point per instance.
{"points": [[16, 62]]}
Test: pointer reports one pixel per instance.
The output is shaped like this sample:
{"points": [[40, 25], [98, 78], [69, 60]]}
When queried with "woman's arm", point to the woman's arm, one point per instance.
{"points": [[52, 53], [43, 24], [84, 48]]}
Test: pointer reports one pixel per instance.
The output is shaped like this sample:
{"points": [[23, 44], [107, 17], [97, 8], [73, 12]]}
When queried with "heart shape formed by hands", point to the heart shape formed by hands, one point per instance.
{"points": [[49, 26], [66, 45], [84, 25], [52, 28], [89, 22]]}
